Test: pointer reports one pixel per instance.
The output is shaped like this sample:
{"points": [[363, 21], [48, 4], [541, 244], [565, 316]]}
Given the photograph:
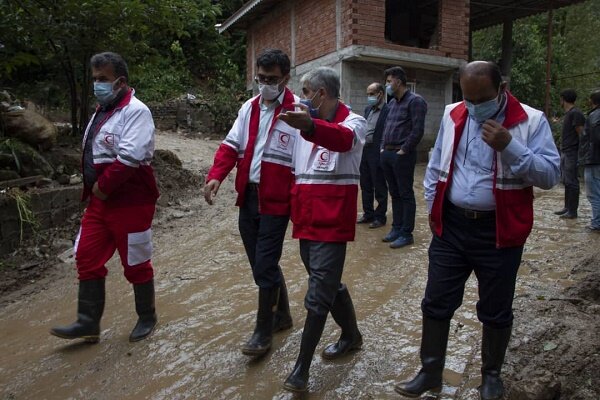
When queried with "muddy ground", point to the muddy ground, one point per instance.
{"points": [[206, 301]]}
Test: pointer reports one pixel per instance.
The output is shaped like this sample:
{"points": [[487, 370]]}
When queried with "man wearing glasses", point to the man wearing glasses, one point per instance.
{"points": [[261, 147]]}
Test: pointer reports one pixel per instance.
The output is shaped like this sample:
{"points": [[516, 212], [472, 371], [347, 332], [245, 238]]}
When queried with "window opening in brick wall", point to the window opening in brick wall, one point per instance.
{"points": [[412, 23]]}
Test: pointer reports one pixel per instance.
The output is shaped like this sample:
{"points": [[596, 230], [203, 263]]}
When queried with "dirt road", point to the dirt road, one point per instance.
{"points": [[206, 301]]}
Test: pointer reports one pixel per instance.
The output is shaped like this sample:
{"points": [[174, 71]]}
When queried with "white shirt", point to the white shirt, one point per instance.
{"points": [[266, 118]]}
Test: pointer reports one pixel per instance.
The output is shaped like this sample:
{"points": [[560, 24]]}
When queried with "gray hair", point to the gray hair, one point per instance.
{"points": [[108, 58], [323, 77]]}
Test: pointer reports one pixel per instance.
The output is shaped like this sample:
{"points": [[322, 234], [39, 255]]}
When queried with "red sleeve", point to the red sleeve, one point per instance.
{"points": [[225, 159], [114, 176], [330, 135]]}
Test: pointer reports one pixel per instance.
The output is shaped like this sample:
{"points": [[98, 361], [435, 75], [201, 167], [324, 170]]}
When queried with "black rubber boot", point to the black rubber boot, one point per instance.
{"points": [[344, 315], [260, 342], [493, 349], [434, 340], [297, 381], [90, 307], [146, 311], [572, 202], [282, 319]]}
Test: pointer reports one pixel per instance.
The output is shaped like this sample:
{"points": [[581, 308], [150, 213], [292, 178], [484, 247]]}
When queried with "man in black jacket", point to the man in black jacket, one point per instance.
{"points": [[372, 181], [589, 157]]}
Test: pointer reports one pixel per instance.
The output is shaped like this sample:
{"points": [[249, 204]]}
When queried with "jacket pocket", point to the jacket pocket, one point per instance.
{"points": [[328, 210], [139, 247]]}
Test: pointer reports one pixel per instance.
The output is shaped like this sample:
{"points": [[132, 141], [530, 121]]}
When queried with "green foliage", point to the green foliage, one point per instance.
{"points": [[170, 46], [575, 57], [26, 216]]}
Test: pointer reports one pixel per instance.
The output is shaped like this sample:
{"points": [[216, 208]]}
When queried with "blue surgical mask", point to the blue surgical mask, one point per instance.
{"points": [[372, 101], [389, 90], [104, 91], [313, 111], [483, 111]]}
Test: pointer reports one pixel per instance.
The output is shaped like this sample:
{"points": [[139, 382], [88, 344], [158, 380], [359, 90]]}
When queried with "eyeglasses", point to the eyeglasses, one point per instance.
{"points": [[268, 80]]}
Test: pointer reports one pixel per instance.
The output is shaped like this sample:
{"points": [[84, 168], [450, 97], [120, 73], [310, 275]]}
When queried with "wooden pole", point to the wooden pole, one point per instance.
{"points": [[549, 61]]}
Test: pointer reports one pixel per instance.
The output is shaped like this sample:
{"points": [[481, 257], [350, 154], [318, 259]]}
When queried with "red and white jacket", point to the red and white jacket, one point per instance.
{"points": [[276, 166], [326, 167], [123, 148], [514, 197]]}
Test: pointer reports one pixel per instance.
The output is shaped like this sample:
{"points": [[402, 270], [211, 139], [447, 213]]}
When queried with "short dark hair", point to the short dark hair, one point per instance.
{"points": [[569, 95], [483, 68], [109, 58], [270, 58], [396, 72], [595, 97]]}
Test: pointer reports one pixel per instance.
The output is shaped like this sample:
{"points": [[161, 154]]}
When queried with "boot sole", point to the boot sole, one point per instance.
{"points": [[255, 352], [86, 338], [436, 391], [294, 389]]}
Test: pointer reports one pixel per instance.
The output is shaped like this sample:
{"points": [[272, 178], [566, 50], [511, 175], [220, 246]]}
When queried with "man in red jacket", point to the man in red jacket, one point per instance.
{"points": [[489, 153], [327, 169], [118, 146], [261, 147]]}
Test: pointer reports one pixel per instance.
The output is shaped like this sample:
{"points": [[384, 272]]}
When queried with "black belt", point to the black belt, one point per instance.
{"points": [[472, 214], [252, 186], [392, 146]]}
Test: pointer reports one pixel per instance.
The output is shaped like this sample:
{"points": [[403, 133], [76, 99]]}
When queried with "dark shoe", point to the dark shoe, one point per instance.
{"points": [[344, 315], [376, 224], [592, 228], [393, 235], [568, 215], [282, 319], [297, 381], [146, 311], [493, 348], [260, 342], [364, 220], [90, 307], [401, 242], [561, 212], [433, 356]]}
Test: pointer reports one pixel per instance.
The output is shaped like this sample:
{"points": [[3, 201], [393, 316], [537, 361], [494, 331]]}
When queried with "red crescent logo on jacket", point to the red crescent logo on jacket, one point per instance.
{"points": [[324, 157], [109, 139], [284, 140]]}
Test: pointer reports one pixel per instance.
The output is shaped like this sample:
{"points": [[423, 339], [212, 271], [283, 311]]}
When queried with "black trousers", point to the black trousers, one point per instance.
{"points": [[372, 184], [399, 171], [324, 262], [569, 172], [262, 236], [468, 245]]}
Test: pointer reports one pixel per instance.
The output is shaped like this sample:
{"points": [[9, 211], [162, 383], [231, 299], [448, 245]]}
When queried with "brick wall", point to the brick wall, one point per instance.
{"points": [[273, 31], [315, 29], [368, 27]]}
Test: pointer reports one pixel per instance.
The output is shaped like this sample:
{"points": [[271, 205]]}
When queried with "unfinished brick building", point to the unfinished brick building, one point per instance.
{"points": [[430, 39]]}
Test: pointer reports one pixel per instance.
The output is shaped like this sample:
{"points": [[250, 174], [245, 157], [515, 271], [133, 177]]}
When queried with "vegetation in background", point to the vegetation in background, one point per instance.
{"points": [[23, 203], [575, 54], [171, 47]]}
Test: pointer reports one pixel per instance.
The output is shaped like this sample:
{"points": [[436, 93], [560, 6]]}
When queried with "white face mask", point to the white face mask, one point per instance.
{"points": [[269, 92]]}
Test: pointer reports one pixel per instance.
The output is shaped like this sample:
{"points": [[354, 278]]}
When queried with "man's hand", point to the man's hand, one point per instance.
{"points": [[298, 119], [495, 135], [96, 192], [210, 190]]}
